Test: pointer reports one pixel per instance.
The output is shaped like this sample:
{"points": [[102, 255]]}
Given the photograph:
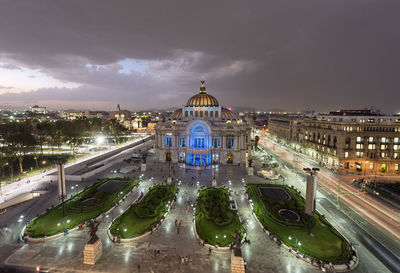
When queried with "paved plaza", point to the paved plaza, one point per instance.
{"points": [[66, 254]]}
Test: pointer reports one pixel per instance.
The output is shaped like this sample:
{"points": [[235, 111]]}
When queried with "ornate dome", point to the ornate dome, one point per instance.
{"points": [[227, 114], [177, 113], [202, 99]]}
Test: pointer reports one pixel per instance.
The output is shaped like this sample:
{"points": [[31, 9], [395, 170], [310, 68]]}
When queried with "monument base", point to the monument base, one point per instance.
{"points": [[169, 180], [143, 167], [250, 171], [92, 251], [237, 264], [214, 182]]}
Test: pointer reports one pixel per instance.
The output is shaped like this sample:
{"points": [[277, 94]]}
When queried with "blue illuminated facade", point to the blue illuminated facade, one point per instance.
{"points": [[202, 133]]}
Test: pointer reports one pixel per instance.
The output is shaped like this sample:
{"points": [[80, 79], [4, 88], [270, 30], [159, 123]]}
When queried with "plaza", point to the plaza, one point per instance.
{"points": [[262, 254]]}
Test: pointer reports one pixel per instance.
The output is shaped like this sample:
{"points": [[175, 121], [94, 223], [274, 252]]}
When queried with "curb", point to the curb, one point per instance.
{"points": [[338, 268], [115, 239], [58, 235]]}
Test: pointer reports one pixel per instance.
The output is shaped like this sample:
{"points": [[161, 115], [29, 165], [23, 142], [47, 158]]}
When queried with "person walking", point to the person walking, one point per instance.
{"points": [[138, 268]]}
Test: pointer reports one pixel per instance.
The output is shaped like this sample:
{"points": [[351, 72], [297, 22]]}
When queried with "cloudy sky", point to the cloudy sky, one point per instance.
{"points": [[286, 54]]}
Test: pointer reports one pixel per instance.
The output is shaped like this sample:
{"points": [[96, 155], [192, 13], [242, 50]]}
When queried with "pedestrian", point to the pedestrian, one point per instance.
{"points": [[182, 260], [138, 267], [176, 222], [178, 230]]}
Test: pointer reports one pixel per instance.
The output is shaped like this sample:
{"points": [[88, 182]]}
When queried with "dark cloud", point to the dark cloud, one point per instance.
{"points": [[295, 55]]}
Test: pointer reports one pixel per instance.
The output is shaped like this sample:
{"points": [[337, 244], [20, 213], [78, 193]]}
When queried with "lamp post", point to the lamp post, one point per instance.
{"points": [[297, 242], [214, 181]]}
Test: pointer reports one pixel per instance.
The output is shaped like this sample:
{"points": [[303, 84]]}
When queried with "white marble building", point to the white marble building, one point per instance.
{"points": [[203, 133]]}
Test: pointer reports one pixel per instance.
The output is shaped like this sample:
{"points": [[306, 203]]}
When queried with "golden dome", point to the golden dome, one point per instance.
{"points": [[202, 99]]}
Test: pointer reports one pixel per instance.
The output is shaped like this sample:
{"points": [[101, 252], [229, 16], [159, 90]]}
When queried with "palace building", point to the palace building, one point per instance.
{"points": [[350, 141], [202, 133]]}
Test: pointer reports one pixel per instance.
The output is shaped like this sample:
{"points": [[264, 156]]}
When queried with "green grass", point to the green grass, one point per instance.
{"points": [[216, 222], [142, 216], [52, 222], [325, 243]]}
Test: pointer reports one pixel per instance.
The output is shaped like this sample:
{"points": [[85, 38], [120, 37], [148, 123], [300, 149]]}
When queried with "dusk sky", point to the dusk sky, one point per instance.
{"points": [[285, 54]]}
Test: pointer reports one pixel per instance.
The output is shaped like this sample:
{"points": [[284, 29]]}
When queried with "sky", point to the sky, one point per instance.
{"points": [[267, 54]]}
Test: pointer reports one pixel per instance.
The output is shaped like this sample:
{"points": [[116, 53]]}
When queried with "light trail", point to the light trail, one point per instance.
{"points": [[372, 209]]}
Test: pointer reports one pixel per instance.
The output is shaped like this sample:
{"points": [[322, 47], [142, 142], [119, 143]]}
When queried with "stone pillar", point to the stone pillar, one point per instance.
{"points": [[250, 171]]}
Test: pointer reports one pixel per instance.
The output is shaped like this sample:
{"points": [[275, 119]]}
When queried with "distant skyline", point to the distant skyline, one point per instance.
{"points": [[290, 55]]}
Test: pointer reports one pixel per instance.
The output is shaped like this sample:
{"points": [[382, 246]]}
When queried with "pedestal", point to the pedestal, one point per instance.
{"points": [[250, 171], [237, 264], [92, 251], [214, 182], [169, 180], [143, 167]]}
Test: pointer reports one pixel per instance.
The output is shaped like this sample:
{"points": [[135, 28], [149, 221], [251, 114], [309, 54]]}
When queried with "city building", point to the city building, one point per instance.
{"points": [[38, 109], [202, 133], [96, 114], [351, 141]]}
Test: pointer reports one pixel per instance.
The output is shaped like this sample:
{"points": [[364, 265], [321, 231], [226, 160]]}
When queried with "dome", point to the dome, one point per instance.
{"points": [[227, 114], [202, 99], [177, 114]]}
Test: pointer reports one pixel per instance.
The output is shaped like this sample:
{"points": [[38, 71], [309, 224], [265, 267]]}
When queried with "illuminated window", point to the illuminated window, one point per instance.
{"points": [[396, 167], [359, 139], [359, 146], [371, 146], [371, 166], [346, 154], [359, 154], [396, 155]]}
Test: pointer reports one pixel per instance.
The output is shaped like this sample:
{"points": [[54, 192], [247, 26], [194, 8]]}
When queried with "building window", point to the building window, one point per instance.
{"points": [[371, 166], [186, 113], [359, 146], [371, 146], [384, 140], [383, 147], [396, 155], [359, 139], [196, 113], [396, 167], [359, 154], [383, 154], [230, 142], [371, 140], [212, 114], [201, 114], [396, 147], [216, 142], [181, 141], [216, 114], [396, 140], [168, 141], [346, 154]]}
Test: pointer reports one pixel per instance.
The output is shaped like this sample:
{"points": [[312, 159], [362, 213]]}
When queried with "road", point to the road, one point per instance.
{"points": [[369, 223]]}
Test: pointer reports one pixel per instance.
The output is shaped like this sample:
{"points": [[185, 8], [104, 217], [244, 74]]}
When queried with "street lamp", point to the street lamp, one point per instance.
{"points": [[297, 242]]}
